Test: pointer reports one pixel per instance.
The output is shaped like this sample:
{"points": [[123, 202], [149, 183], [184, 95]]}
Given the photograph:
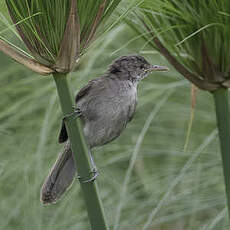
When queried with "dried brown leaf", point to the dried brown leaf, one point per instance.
{"points": [[70, 45], [24, 60]]}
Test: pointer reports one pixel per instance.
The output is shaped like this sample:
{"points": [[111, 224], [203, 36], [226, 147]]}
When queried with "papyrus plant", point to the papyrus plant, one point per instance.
{"points": [[56, 33], [194, 36]]}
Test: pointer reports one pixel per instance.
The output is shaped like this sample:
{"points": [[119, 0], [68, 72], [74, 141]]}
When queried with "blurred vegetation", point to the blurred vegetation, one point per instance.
{"points": [[192, 36], [179, 189]]}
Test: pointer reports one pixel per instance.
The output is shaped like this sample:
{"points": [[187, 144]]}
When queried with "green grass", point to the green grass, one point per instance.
{"points": [[59, 45], [167, 188], [189, 183], [192, 37]]}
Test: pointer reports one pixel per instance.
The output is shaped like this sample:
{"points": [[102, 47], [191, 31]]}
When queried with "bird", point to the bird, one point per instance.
{"points": [[105, 106]]}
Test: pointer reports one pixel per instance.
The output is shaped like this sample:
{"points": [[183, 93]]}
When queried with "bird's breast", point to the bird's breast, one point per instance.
{"points": [[107, 114]]}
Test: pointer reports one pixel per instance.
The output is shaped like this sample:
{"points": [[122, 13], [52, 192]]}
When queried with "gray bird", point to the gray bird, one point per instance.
{"points": [[105, 106]]}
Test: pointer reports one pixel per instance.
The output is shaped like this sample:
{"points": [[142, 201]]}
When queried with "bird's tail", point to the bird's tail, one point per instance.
{"points": [[60, 177]]}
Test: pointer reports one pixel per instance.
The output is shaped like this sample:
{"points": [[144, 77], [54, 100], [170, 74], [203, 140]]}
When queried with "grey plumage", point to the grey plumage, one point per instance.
{"points": [[106, 104]]}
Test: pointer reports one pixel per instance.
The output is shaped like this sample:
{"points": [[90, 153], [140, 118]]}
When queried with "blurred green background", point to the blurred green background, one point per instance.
{"points": [[147, 180]]}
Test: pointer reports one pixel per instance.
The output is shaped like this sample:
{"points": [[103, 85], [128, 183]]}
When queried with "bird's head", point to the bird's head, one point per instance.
{"points": [[133, 67]]}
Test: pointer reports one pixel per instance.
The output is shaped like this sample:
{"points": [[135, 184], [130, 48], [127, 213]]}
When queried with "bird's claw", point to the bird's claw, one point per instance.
{"points": [[75, 114], [94, 174]]}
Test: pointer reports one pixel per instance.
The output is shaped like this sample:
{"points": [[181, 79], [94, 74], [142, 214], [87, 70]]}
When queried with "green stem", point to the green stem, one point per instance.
{"points": [[79, 148], [223, 122]]}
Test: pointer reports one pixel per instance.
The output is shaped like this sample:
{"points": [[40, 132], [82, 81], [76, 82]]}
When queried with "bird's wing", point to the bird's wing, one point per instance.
{"points": [[83, 91], [132, 110], [63, 135]]}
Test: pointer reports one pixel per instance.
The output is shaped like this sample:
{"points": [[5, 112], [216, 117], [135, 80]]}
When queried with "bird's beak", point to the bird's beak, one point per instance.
{"points": [[157, 68]]}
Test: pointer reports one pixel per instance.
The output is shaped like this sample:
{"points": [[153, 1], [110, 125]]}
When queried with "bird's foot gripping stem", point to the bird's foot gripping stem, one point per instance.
{"points": [[93, 174], [75, 114]]}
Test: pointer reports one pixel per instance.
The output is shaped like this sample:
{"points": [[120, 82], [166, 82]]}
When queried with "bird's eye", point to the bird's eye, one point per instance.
{"points": [[142, 66]]}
